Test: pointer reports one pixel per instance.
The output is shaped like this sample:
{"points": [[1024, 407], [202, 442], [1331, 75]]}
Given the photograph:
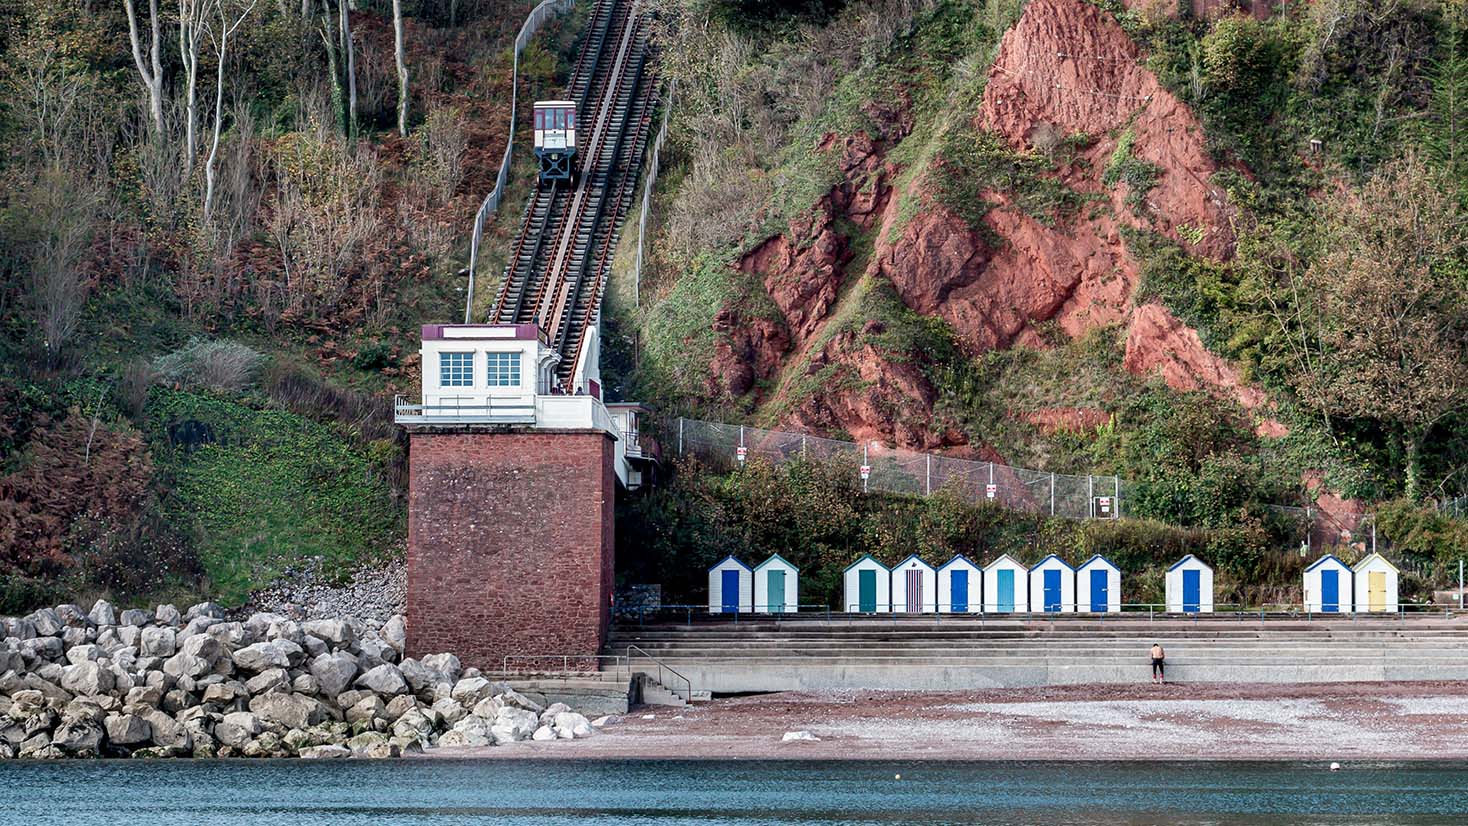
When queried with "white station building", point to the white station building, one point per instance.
{"points": [[505, 374]]}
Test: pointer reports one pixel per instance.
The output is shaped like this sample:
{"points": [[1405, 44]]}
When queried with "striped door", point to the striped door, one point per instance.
{"points": [[1005, 600], [1376, 590], [915, 591]]}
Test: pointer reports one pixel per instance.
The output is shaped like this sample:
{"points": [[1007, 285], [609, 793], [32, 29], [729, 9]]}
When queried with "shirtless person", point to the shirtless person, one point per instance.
{"points": [[1158, 655]]}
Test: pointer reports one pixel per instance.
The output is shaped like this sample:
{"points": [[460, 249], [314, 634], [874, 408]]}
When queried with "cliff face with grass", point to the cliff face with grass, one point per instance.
{"points": [[1057, 231]]}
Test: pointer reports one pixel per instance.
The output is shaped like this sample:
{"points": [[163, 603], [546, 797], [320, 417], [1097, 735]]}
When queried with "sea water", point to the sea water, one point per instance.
{"points": [[715, 793]]}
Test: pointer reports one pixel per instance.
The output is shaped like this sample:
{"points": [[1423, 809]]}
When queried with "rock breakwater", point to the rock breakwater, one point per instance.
{"points": [[166, 683]]}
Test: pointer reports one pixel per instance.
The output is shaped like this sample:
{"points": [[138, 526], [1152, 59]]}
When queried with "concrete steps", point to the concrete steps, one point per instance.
{"points": [[959, 653]]}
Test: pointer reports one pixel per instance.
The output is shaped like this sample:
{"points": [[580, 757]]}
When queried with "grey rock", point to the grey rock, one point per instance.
{"points": [[395, 632], [82, 653], [291, 710], [368, 708], [446, 666], [273, 654], [515, 699], [384, 679], [333, 631], [157, 642], [77, 635], [211, 610], [134, 618], [413, 724], [168, 732], [544, 733], [168, 615], [237, 728], [46, 623], [419, 677], [286, 629], [513, 725], [144, 695], [42, 648], [315, 646], [177, 700], [230, 634], [366, 740], [333, 672], [470, 690], [22, 628], [103, 613], [87, 678], [305, 684], [325, 752], [552, 710], [198, 626], [450, 710], [275, 680], [73, 615], [185, 665], [399, 705], [570, 725], [127, 730]]}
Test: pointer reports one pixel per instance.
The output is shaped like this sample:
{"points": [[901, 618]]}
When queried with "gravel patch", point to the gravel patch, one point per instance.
{"points": [[372, 594]]}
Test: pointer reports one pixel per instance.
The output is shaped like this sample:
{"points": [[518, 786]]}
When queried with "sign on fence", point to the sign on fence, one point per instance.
{"points": [[1104, 507], [740, 452], [991, 491], [866, 472]]}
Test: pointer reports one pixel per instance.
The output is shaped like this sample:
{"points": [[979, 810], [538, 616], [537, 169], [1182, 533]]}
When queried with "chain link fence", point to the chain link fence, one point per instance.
{"points": [[890, 470]]}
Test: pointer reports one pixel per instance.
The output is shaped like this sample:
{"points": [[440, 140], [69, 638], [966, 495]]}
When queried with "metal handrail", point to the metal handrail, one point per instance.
{"points": [[687, 683], [566, 659]]}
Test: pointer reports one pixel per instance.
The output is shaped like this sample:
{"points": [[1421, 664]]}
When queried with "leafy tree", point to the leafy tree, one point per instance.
{"points": [[1390, 296]]}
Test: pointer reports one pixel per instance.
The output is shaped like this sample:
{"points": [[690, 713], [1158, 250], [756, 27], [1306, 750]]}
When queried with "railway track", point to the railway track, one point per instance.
{"points": [[561, 258]]}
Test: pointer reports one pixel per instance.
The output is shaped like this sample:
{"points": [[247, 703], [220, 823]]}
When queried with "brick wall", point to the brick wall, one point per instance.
{"points": [[509, 543]]}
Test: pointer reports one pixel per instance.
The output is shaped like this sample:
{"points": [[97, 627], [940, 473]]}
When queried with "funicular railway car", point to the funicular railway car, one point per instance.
{"points": [[555, 139]]}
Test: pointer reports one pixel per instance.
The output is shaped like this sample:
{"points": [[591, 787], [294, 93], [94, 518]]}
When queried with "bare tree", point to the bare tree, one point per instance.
{"points": [[402, 60], [61, 207], [230, 18], [52, 95], [192, 20], [345, 17], [151, 69]]}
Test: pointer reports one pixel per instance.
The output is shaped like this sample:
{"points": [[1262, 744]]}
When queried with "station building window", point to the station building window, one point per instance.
{"points": [[504, 369], [456, 369]]}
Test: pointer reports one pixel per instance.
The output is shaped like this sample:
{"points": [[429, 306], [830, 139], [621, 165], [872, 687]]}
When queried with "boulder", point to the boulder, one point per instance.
{"points": [[82, 653], [168, 732], [333, 672], [513, 725], [87, 678], [400, 705], [372, 653], [42, 648], [549, 715], [332, 631], [413, 724], [473, 730], [144, 695], [305, 684], [46, 623], [368, 708], [73, 615], [22, 628], [488, 708], [127, 730], [177, 700], [419, 677], [186, 665], [456, 740], [266, 745], [470, 690], [384, 679], [167, 615], [272, 654], [266, 682], [324, 752], [366, 740], [569, 725], [290, 710], [259, 624], [223, 694], [77, 635], [450, 710], [383, 751], [211, 610], [286, 629], [231, 635], [237, 728], [515, 699], [446, 666], [395, 633], [157, 642], [544, 733], [133, 618], [103, 613]]}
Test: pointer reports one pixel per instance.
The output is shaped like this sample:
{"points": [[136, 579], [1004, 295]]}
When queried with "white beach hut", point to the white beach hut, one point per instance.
{"points": [[1328, 583], [866, 586], [959, 586], [1375, 585], [914, 587], [1098, 586], [1006, 586], [731, 587], [1190, 586], [776, 586], [1053, 586]]}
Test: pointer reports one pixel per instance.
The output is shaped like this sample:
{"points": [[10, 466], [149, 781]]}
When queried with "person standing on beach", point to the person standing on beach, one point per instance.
{"points": [[1158, 655]]}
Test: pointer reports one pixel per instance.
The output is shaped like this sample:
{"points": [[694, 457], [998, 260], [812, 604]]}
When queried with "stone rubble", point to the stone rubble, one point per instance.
{"points": [[104, 683]]}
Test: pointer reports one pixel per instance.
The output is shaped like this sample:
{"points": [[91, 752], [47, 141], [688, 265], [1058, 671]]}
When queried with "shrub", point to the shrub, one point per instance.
{"points": [[213, 364]]}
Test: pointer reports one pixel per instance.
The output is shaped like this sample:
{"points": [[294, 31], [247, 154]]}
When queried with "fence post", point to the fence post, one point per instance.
{"points": [[1052, 494], [864, 463], [1116, 497], [680, 435], [928, 480], [1090, 496]]}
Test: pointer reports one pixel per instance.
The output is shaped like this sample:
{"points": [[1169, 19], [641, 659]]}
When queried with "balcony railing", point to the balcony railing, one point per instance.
{"points": [[475, 410]]}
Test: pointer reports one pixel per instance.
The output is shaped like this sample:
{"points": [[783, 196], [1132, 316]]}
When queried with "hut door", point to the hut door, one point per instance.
{"points": [[958, 588], [1006, 590], [1052, 590], [775, 593], [1376, 590], [730, 592], [915, 591], [1330, 591], [866, 591], [1191, 590], [1100, 599]]}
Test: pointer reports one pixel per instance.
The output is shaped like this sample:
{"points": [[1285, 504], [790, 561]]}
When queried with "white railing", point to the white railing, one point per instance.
{"points": [[533, 22], [652, 178], [465, 410]]}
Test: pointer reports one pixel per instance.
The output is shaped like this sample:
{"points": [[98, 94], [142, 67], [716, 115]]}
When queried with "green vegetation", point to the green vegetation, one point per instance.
{"points": [[1124, 167]]}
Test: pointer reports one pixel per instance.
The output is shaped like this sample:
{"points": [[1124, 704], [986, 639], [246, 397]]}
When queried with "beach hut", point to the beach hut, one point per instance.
{"points": [[959, 586], [731, 587], [1053, 586], [776, 586], [914, 587], [1375, 584], [1098, 586], [1328, 586], [1006, 586], [1190, 586], [866, 586]]}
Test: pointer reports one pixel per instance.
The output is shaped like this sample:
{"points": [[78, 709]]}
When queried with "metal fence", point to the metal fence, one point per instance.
{"points": [[890, 470], [537, 17]]}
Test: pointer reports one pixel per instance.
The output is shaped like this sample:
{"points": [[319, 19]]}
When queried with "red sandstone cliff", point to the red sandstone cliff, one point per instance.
{"points": [[1068, 67]]}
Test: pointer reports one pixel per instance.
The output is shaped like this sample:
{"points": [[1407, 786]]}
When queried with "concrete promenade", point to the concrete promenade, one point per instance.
{"points": [[920, 653]]}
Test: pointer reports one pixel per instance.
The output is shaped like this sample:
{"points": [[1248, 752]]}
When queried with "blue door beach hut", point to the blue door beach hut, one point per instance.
{"points": [[1098, 586], [1375, 584], [731, 587], [776, 586], [1053, 586], [1190, 586], [959, 586], [1328, 586], [865, 586], [914, 587], [1006, 586]]}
